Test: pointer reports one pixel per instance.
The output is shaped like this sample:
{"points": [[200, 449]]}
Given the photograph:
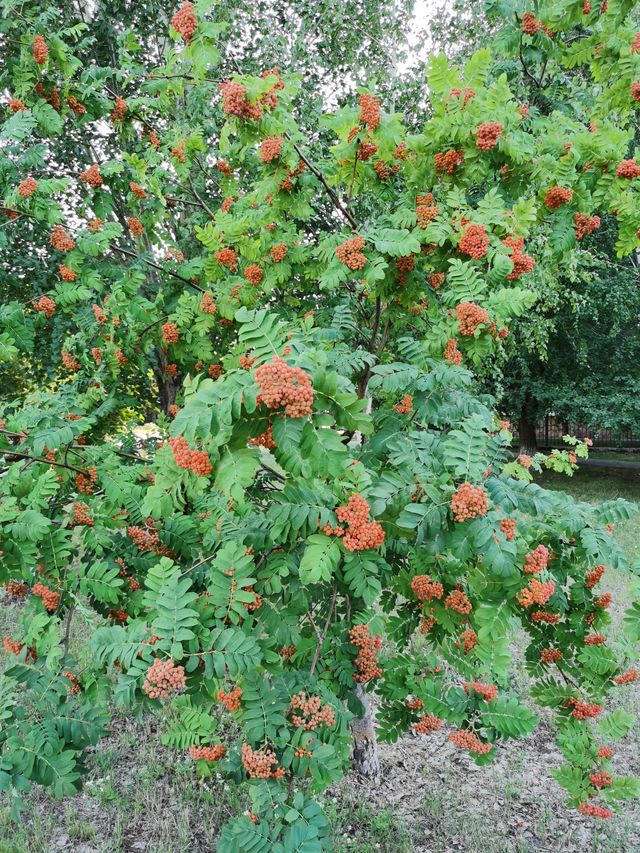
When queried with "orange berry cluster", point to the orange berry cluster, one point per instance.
{"points": [[448, 161], [136, 189], [224, 167], [405, 405], [235, 103], [601, 779], [207, 303], [135, 226], [361, 534], [92, 176], [308, 712], [350, 253], [585, 224], [15, 105], [369, 111], [40, 50], [426, 724], [208, 753], [414, 704], [544, 616], [163, 678], [67, 274], [550, 656], [281, 385], [265, 439], [246, 362], [81, 515], [185, 21], [170, 333], [231, 699], [536, 561], [426, 209], [179, 151], [557, 196], [595, 811], [120, 108], [469, 502], [253, 274], [76, 106], [74, 687], [595, 640], [634, 89], [85, 482], [474, 241], [508, 527], [627, 677], [98, 313], [69, 361], [270, 149], [146, 539], [487, 691], [458, 601], [469, 640], [227, 257], [17, 589], [278, 252], [467, 95], [436, 280], [465, 739], [521, 263], [605, 752], [426, 589], [61, 240], [96, 352], [27, 187], [628, 169], [535, 593], [604, 601], [584, 710], [46, 306], [366, 662], [470, 316], [487, 135], [12, 647], [50, 599], [366, 150], [287, 652], [192, 460], [451, 352], [261, 763]]}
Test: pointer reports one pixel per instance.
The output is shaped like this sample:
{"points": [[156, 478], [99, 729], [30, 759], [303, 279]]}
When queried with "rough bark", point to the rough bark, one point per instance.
{"points": [[527, 427], [365, 759]]}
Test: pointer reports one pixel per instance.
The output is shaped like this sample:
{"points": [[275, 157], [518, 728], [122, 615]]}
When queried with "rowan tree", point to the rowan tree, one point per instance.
{"points": [[328, 508]]}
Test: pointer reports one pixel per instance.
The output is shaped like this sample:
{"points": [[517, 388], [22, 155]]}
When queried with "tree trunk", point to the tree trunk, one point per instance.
{"points": [[366, 761], [527, 427]]}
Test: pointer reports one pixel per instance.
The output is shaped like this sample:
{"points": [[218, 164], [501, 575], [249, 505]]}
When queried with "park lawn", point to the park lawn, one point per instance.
{"points": [[140, 795]]}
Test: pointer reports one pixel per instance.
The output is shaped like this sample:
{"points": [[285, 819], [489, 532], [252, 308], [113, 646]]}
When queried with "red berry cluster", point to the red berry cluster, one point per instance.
{"points": [[604, 601], [60, 240], [50, 599], [550, 656], [557, 196], [66, 273], [595, 640], [487, 691], [40, 50], [235, 103], [584, 710], [163, 678], [436, 280], [627, 677], [192, 460], [278, 252], [227, 257], [366, 150], [12, 647], [185, 21], [16, 589], [470, 316], [207, 753], [81, 516], [135, 226], [287, 652], [414, 704], [46, 305], [595, 811], [170, 333], [601, 779], [508, 527], [253, 274], [261, 763], [535, 593], [628, 169], [265, 439], [207, 303], [469, 640], [487, 135], [426, 724], [15, 105], [281, 385], [467, 95], [474, 241], [458, 601], [270, 149], [350, 253], [469, 502], [448, 161], [361, 534], [137, 190], [426, 589], [521, 263], [635, 90], [536, 561], [545, 616], [366, 662], [605, 752], [405, 405], [27, 187], [585, 224], [309, 712], [120, 107], [451, 352], [465, 739], [92, 176], [85, 482], [426, 209], [369, 111], [224, 167], [231, 699]]}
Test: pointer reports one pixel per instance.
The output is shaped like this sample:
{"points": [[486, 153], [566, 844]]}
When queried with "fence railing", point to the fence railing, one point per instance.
{"points": [[549, 433]]}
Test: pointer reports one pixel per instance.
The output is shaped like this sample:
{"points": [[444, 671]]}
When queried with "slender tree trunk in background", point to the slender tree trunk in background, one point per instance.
{"points": [[527, 427], [366, 761]]}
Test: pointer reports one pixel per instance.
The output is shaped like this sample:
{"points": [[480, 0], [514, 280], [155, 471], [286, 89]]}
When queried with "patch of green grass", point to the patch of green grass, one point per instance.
{"points": [[359, 829]]}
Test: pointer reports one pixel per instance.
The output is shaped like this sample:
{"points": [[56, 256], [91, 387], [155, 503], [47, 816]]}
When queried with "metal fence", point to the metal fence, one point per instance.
{"points": [[549, 433]]}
